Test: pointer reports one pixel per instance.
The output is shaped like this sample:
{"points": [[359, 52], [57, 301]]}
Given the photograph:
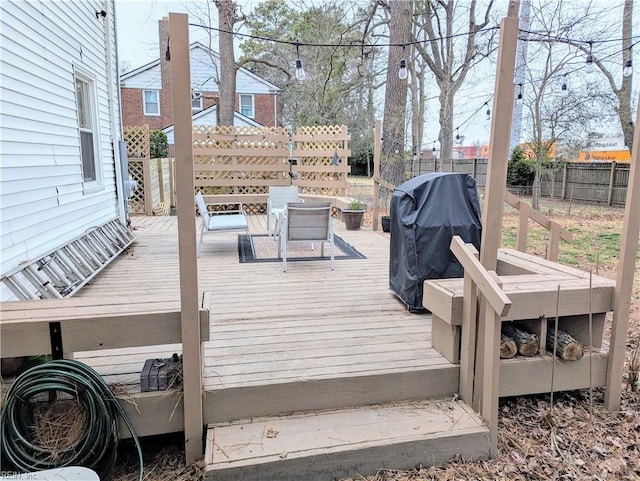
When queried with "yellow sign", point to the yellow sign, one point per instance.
{"points": [[605, 156]]}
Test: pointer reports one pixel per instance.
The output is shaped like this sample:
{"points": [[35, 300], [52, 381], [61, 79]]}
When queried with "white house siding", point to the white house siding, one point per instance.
{"points": [[148, 78], [207, 118], [43, 200]]}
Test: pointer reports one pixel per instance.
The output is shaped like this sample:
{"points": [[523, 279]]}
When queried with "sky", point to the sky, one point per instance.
{"points": [[137, 31]]}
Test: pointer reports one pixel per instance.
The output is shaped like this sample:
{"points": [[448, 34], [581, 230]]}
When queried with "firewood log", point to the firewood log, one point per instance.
{"points": [[567, 347], [528, 344], [508, 347]]}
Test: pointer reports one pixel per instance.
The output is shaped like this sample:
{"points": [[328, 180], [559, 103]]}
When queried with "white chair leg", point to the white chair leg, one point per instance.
{"points": [[332, 249]]}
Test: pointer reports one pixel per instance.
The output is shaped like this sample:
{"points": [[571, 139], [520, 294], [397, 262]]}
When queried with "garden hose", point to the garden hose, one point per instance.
{"points": [[96, 447]]}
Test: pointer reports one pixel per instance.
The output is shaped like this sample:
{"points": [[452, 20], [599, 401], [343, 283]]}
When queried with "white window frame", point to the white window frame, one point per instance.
{"points": [[89, 126], [253, 105], [196, 101], [144, 103]]}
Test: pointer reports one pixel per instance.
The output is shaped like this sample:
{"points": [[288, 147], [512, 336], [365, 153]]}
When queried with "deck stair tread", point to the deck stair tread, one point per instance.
{"points": [[345, 442]]}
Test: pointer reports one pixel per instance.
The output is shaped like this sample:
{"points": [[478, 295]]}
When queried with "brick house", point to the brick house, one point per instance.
{"points": [[145, 92]]}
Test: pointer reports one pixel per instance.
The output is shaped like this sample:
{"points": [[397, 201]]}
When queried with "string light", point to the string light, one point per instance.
{"points": [[628, 66], [590, 58], [488, 112], [519, 97], [300, 73], [457, 134], [402, 73], [564, 90]]}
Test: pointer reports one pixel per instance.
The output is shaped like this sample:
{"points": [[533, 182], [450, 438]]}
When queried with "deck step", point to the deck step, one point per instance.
{"points": [[324, 445]]}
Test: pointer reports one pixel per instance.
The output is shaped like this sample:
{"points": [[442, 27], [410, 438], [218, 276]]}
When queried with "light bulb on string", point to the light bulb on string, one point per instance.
{"points": [[628, 66], [300, 73], [590, 59], [564, 89], [402, 72], [457, 135], [488, 112], [519, 96]]}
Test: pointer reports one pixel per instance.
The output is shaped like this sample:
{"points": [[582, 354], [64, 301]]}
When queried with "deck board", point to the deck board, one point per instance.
{"points": [[270, 328]]}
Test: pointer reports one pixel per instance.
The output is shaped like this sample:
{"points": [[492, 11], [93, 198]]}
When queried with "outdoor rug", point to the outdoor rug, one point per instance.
{"points": [[266, 250]]}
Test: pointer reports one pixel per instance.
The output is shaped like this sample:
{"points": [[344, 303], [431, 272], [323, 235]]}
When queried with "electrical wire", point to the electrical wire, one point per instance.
{"points": [[97, 446]]}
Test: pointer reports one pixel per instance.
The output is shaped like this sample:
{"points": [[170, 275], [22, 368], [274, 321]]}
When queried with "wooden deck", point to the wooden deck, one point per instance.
{"points": [[310, 338]]}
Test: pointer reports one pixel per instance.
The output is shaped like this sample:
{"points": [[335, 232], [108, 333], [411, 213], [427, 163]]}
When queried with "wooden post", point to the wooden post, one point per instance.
{"points": [[491, 368], [191, 347], [499, 142], [612, 182], [148, 189], [523, 226], [564, 181], [160, 179], [376, 172], [468, 335], [624, 282]]}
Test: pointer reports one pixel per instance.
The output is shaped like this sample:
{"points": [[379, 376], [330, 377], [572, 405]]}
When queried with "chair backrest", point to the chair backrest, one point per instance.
{"points": [[280, 196], [309, 221], [202, 208]]}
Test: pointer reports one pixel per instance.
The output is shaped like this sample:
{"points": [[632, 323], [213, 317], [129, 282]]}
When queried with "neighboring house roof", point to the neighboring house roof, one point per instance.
{"points": [[148, 75], [208, 117]]}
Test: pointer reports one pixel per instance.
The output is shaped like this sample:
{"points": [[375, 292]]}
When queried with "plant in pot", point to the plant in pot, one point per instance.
{"points": [[354, 214]]}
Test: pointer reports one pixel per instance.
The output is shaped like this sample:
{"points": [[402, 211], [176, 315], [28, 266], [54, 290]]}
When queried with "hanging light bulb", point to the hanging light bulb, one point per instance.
{"points": [[434, 149], [519, 96], [300, 73], [403, 73], [628, 66], [564, 89], [488, 111], [590, 59], [457, 134]]}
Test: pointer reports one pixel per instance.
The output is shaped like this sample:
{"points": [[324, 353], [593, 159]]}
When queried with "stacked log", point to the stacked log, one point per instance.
{"points": [[567, 347], [508, 347], [527, 343]]}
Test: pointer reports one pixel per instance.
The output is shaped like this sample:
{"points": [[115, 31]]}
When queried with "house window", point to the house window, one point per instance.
{"points": [[246, 105], [86, 124], [151, 102], [196, 101]]}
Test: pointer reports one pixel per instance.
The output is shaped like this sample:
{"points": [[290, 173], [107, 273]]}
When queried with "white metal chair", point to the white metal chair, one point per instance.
{"points": [[279, 197], [223, 221], [306, 223]]}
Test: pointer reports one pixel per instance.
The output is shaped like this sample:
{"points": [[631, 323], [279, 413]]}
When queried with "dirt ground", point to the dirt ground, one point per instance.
{"points": [[573, 439]]}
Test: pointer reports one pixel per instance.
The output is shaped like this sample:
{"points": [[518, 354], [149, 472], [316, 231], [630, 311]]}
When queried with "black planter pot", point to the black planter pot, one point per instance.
{"points": [[386, 223]]}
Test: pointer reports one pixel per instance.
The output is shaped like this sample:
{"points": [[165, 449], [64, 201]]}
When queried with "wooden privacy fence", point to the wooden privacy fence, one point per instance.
{"points": [[604, 182], [240, 163]]}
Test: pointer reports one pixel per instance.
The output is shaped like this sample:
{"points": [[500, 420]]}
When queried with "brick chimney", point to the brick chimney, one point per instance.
{"points": [[166, 97]]}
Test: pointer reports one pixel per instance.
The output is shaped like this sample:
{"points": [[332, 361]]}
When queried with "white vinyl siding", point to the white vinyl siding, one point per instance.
{"points": [[151, 102], [246, 106], [44, 199]]}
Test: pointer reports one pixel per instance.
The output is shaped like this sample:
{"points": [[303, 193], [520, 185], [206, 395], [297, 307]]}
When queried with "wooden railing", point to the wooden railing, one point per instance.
{"points": [[526, 212], [480, 371]]}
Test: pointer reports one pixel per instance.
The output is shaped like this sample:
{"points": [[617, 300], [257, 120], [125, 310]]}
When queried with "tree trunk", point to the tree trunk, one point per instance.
{"points": [[624, 93], [508, 347], [527, 343], [446, 126], [567, 347], [227, 100], [392, 166]]}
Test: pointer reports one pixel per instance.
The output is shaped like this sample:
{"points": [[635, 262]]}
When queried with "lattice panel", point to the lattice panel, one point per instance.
{"points": [[137, 139], [137, 196]]}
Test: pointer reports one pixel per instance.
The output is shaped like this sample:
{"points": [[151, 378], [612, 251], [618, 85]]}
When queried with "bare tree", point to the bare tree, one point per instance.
{"points": [[395, 97], [227, 18], [449, 55]]}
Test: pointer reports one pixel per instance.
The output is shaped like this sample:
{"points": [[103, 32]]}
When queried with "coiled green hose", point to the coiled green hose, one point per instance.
{"points": [[96, 448]]}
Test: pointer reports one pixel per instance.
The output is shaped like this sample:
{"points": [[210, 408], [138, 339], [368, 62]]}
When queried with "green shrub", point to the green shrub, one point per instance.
{"points": [[521, 169], [158, 144]]}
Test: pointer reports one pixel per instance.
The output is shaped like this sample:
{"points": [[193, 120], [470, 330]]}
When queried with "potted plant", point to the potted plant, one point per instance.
{"points": [[353, 214]]}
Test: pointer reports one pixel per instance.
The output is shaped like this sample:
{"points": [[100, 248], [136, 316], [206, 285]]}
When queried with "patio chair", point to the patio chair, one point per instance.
{"points": [[279, 197], [306, 223], [221, 221]]}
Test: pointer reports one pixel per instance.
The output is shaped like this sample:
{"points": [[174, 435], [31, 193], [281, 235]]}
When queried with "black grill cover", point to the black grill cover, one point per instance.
{"points": [[426, 212]]}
